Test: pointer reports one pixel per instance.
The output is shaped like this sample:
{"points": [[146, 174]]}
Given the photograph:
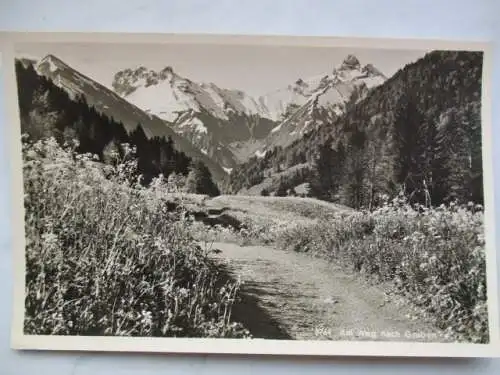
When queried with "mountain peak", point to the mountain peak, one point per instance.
{"points": [[166, 73], [168, 69], [50, 64], [128, 80], [49, 57], [300, 82], [141, 69], [371, 70], [27, 61], [350, 62]]}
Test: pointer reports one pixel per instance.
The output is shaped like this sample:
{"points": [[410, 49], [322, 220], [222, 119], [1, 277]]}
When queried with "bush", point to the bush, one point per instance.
{"points": [[434, 256], [107, 258]]}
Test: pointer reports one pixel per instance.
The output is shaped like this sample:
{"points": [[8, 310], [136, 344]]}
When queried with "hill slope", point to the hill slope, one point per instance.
{"points": [[214, 119], [47, 111], [112, 105], [230, 125], [420, 131], [319, 101]]}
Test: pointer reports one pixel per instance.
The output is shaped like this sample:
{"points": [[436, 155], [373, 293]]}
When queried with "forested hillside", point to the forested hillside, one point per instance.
{"points": [[418, 134], [46, 110]]}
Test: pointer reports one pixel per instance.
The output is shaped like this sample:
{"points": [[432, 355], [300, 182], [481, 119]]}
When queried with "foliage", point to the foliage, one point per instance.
{"points": [[48, 111], [419, 133], [199, 181], [434, 256], [107, 258], [281, 190], [328, 172]]}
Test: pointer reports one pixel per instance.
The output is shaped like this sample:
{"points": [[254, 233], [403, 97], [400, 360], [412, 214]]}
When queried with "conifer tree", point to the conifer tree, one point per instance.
{"points": [[328, 170], [460, 143], [281, 189], [406, 127], [351, 192], [199, 180]]}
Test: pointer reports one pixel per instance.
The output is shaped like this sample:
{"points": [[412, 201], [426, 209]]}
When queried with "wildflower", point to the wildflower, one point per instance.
{"points": [[50, 240]]}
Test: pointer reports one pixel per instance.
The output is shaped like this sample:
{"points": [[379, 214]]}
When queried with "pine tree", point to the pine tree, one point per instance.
{"points": [[409, 144], [372, 176], [42, 118], [475, 187], [460, 155], [281, 190], [27, 82], [351, 192], [144, 159], [199, 180], [328, 170]]}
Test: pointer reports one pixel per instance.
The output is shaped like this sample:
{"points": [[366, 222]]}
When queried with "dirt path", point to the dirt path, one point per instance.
{"points": [[293, 296]]}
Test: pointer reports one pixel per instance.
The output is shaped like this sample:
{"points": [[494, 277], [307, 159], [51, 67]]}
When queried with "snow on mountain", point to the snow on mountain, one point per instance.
{"points": [[319, 100], [167, 95], [109, 103], [68, 78], [235, 101], [260, 154], [348, 74], [51, 65], [276, 129], [277, 102], [212, 118], [222, 126], [230, 125]]}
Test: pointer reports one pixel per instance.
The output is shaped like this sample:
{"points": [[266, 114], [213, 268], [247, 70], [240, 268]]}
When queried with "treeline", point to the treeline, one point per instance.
{"points": [[285, 183], [418, 134], [274, 162], [47, 110], [429, 162]]}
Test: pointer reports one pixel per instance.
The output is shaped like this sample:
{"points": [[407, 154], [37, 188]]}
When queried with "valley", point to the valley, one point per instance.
{"points": [[346, 205]]}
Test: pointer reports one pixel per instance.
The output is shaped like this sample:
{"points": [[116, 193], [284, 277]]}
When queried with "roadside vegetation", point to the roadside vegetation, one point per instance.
{"points": [[106, 256], [113, 257], [433, 256]]}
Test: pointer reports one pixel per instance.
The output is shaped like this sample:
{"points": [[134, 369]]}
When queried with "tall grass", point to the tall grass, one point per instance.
{"points": [[104, 256], [436, 257]]}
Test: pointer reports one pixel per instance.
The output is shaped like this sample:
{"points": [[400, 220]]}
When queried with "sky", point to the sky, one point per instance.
{"points": [[251, 68]]}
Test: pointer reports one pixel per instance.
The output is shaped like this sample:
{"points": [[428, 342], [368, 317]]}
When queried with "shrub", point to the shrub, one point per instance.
{"points": [[105, 256], [434, 256]]}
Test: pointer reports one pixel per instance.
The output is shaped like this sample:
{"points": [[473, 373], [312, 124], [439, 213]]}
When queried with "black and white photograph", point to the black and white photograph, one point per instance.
{"points": [[259, 192]]}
